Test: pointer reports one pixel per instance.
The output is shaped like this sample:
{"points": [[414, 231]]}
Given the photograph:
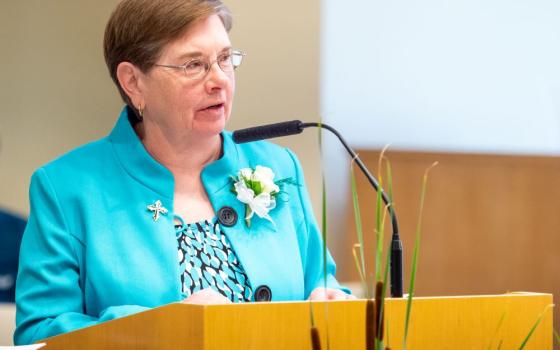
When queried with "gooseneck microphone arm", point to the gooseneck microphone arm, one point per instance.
{"points": [[296, 127], [363, 168]]}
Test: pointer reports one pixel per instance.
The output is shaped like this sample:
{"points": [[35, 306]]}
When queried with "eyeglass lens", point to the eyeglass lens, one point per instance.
{"points": [[227, 63]]}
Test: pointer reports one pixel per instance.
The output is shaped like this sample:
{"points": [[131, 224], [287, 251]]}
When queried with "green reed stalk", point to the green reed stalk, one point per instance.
{"points": [[556, 336], [500, 322], [381, 279], [535, 325], [415, 255], [379, 284], [379, 222], [360, 271], [324, 232], [380, 329], [360, 262]]}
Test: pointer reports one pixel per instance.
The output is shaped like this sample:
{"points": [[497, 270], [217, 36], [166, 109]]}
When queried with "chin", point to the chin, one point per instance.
{"points": [[209, 128]]}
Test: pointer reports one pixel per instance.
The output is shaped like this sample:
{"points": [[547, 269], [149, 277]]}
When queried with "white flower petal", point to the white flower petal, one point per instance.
{"points": [[263, 175], [271, 188], [245, 173], [244, 194], [264, 171], [262, 204]]}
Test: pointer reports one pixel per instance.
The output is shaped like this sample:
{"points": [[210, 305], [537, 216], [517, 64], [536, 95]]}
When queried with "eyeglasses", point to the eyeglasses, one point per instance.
{"points": [[197, 68]]}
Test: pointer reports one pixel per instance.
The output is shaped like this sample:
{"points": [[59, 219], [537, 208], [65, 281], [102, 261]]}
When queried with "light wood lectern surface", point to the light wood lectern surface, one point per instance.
{"points": [[470, 322]]}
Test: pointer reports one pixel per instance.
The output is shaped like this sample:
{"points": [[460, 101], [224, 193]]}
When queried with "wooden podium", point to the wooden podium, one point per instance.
{"points": [[471, 322]]}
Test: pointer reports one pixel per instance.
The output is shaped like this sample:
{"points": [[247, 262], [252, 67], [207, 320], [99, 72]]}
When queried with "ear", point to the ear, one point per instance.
{"points": [[129, 78]]}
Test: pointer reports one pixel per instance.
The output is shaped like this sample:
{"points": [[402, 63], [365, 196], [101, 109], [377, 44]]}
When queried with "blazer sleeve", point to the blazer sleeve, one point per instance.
{"points": [[314, 256], [49, 295]]}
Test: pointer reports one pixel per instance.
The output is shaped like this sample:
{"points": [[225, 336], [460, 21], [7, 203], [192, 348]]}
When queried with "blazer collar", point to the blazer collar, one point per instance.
{"points": [[141, 166]]}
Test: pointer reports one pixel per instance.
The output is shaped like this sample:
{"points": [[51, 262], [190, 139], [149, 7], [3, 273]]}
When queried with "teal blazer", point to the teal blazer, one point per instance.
{"points": [[92, 252]]}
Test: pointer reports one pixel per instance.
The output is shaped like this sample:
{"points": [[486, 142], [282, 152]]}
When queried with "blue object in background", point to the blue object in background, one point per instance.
{"points": [[11, 231]]}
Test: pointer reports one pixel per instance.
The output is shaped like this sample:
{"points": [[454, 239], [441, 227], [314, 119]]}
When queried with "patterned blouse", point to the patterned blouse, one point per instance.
{"points": [[206, 259]]}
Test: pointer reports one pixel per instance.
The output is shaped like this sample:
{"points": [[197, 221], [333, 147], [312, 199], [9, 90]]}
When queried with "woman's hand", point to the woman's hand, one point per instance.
{"points": [[205, 297], [329, 294]]}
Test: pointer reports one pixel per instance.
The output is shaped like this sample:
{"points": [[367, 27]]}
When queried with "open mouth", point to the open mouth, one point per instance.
{"points": [[216, 106]]}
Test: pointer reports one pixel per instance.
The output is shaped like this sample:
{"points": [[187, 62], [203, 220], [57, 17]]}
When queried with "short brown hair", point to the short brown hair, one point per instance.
{"points": [[138, 30]]}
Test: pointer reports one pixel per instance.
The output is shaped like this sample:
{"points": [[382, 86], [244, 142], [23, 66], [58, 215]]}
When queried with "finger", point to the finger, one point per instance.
{"points": [[318, 294], [205, 297], [335, 294]]}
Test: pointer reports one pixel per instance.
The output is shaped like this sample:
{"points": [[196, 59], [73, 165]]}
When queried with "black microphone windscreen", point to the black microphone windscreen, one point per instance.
{"points": [[268, 131]]}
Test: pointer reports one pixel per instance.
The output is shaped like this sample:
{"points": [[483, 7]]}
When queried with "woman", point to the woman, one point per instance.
{"points": [[149, 215]]}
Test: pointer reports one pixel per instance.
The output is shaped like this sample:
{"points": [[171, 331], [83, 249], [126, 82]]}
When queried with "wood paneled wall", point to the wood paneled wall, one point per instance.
{"points": [[491, 223]]}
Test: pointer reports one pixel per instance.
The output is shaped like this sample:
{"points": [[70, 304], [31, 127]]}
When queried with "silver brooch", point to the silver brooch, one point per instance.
{"points": [[157, 209]]}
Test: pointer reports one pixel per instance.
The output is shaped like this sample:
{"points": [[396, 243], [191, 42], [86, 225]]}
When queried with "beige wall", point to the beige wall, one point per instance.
{"points": [[56, 93]]}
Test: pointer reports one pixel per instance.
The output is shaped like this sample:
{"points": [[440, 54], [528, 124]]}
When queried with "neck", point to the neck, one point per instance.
{"points": [[181, 154]]}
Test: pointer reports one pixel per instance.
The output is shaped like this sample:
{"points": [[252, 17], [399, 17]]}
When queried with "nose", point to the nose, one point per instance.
{"points": [[216, 78]]}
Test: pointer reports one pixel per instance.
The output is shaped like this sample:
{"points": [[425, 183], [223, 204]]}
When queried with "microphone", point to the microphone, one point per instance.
{"points": [[296, 127], [269, 131]]}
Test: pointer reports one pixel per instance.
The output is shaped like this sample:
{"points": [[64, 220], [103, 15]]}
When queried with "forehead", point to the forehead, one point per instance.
{"points": [[205, 37]]}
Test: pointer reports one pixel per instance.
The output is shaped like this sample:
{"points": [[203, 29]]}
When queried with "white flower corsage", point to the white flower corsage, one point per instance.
{"points": [[258, 191]]}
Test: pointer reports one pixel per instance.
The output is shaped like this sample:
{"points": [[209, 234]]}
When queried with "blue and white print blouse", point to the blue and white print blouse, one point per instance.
{"points": [[206, 260]]}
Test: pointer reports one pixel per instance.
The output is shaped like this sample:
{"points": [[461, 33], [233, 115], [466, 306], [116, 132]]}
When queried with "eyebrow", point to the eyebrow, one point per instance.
{"points": [[194, 54]]}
